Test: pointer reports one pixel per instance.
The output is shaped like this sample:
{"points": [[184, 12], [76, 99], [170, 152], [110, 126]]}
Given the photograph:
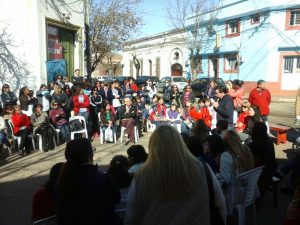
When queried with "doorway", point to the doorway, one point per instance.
{"points": [[213, 66]]}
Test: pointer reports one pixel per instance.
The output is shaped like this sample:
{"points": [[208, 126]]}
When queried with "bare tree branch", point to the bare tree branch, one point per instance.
{"points": [[112, 22]]}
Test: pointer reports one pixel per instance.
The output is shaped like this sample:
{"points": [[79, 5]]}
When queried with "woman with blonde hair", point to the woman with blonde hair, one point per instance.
{"points": [[171, 187], [235, 160]]}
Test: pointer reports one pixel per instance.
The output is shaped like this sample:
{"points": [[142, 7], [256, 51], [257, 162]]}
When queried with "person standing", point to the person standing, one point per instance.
{"points": [[261, 97], [224, 107], [77, 80]]}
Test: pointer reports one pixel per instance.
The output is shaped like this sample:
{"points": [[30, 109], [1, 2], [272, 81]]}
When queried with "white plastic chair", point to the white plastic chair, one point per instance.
{"points": [[84, 130], [102, 135], [245, 186], [40, 141], [52, 220], [136, 134], [17, 139]]}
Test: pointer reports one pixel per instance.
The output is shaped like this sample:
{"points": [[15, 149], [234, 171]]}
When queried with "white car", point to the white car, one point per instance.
{"points": [[102, 78], [181, 82]]}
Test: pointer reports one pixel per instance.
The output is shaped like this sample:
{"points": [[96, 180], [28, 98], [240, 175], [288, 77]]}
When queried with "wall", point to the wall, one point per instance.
{"points": [[26, 26]]}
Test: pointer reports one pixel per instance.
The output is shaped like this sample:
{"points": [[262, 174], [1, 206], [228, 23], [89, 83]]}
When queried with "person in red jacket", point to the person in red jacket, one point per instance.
{"points": [[133, 86], [81, 104], [241, 121], [261, 97], [21, 128], [201, 112]]}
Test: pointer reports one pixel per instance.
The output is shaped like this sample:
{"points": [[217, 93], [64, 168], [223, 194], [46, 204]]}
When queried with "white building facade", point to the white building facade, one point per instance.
{"points": [[160, 55], [46, 38]]}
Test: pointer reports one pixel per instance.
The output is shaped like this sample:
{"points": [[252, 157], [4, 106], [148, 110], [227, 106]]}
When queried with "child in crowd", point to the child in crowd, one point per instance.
{"points": [[137, 156], [212, 112], [201, 112], [173, 117]]}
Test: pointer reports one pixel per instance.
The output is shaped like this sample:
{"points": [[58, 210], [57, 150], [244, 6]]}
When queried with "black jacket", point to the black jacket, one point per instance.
{"points": [[94, 203], [225, 109], [131, 114], [8, 98]]}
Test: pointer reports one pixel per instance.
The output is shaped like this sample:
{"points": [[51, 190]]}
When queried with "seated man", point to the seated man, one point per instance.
{"points": [[128, 114]]}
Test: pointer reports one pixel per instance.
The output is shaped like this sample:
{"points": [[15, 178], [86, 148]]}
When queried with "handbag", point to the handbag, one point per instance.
{"points": [[215, 217], [75, 125], [167, 96]]}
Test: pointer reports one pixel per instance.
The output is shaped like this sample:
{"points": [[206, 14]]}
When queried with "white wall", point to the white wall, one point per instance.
{"points": [[25, 21], [159, 46]]}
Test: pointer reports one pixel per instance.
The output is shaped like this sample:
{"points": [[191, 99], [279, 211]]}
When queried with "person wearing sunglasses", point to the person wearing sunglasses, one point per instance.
{"points": [[8, 97], [187, 95], [58, 118]]}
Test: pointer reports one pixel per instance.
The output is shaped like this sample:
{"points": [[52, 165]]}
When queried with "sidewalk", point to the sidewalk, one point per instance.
{"points": [[21, 177]]}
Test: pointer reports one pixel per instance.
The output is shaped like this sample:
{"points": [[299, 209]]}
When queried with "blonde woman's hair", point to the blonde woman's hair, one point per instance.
{"points": [[241, 153], [171, 172]]}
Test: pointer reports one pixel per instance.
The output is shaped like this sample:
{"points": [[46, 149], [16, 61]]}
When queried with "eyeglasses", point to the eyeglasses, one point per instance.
{"points": [[55, 104], [5, 87], [243, 106]]}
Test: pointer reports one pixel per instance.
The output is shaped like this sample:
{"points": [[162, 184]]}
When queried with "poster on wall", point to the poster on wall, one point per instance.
{"points": [[55, 48], [56, 67]]}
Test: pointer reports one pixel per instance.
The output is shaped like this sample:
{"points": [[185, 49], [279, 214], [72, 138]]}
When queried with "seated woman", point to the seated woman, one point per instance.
{"points": [[173, 116], [3, 131], [58, 118], [171, 187], [42, 126], [22, 128], [235, 160], [215, 147], [43, 201], [137, 156], [241, 121], [158, 115], [201, 131], [254, 116], [188, 121], [262, 148], [175, 96], [85, 195], [107, 120], [201, 112]]}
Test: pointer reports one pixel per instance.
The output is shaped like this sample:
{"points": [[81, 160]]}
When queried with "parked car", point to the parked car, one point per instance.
{"points": [[121, 79], [181, 82], [199, 85], [143, 79], [102, 78]]}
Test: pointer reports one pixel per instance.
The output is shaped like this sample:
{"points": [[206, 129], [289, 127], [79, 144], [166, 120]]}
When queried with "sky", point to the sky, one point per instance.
{"points": [[155, 17]]}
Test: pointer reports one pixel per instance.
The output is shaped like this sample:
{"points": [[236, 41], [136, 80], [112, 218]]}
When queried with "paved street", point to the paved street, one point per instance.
{"points": [[20, 177]]}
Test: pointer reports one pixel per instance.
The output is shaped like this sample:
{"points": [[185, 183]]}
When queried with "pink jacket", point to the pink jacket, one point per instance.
{"points": [[237, 96]]}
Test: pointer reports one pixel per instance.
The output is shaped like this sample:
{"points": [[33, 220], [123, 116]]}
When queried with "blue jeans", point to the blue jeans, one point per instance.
{"points": [[85, 115], [64, 131], [3, 139]]}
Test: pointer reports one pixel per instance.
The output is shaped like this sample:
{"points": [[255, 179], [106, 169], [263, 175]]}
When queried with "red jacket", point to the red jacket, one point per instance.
{"points": [[202, 113], [241, 121], [261, 99], [158, 110], [20, 120], [78, 105], [134, 87]]}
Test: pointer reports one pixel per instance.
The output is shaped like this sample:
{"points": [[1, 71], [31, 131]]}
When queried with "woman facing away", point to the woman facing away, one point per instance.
{"points": [[86, 196], [171, 187], [235, 160]]}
